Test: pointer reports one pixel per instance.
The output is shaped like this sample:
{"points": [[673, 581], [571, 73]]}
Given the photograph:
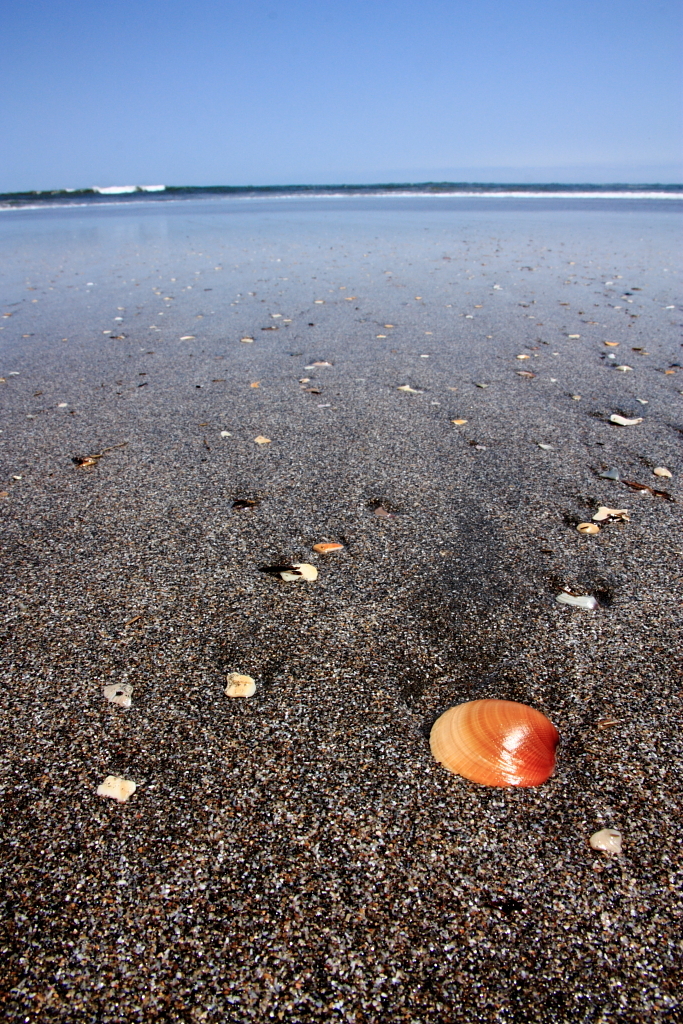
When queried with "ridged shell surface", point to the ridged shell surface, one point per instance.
{"points": [[496, 743]]}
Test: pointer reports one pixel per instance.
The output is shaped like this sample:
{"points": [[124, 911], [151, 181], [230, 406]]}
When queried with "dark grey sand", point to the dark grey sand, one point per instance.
{"points": [[299, 856]]}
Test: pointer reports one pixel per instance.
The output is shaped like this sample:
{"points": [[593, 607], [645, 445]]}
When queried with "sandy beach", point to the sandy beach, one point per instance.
{"points": [[299, 855]]}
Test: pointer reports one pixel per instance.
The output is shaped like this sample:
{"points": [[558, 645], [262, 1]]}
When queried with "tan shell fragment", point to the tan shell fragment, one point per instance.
{"points": [[262, 440], [458, 423], [324, 549], [588, 528], [662, 471], [119, 693], [306, 572], [116, 788], [239, 685], [607, 839], [496, 743], [605, 514]]}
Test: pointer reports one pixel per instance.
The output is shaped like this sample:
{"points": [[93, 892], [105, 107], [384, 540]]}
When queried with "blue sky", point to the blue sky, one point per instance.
{"points": [[205, 92]]}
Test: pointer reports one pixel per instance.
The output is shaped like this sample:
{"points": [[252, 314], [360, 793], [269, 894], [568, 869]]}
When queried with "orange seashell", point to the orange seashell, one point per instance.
{"points": [[496, 743], [323, 549]]}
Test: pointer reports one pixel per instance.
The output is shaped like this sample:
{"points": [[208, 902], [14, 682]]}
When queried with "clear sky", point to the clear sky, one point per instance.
{"points": [[208, 92]]}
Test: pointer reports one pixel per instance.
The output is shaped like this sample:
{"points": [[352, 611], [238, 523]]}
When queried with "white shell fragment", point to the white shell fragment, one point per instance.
{"points": [[546, 447], [239, 685], [662, 471], [116, 788], [119, 693], [585, 601], [305, 571], [407, 387], [607, 839], [605, 514], [623, 367], [622, 421]]}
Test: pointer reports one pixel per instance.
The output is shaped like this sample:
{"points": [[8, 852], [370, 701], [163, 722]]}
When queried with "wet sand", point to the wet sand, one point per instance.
{"points": [[299, 855]]}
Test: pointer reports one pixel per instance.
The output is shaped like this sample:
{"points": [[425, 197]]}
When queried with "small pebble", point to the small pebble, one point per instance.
{"points": [[116, 788], [239, 685], [610, 474], [607, 839]]}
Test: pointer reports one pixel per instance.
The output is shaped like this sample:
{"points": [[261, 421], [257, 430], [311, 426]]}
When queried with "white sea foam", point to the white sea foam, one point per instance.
{"points": [[120, 190]]}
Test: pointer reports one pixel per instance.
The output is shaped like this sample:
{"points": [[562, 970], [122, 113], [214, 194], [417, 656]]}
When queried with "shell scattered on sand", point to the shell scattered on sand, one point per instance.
{"points": [[304, 571], [577, 600], [662, 471], [607, 839], [605, 514], [496, 743], [239, 685], [324, 549], [623, 421], [116, 788], [262, 440], [119, 693], [588, 528]]}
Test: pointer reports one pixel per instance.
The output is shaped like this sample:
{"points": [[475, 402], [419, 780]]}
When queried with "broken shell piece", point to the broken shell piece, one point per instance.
{"points": [[622, 421], [262, 440], [496, 743], [324, 549], [662, 471], [580, 601], [525, 373], [119, 693], [612, 344], [239, 685], [407, 387], [299, 571], [588, 528], [610, 474], [607, 839], [116, 788], [523, 357], [546, 447], [458, 423], [247, 341], [623, 367], [617, 515]]}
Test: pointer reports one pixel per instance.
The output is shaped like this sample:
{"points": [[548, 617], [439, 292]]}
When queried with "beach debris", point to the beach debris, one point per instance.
{"points": [[324, 549], [247, 341], [611, 515], [407, 387], [606, 723], [523, 356], [255, 384], [87, 461], [585, 601], [481, 385], [116, 788], [607, 839], [271, 327], [573, 335], [382, 513], [225, 433], [380, 335], [119, 693], [388, 325], [239, 685], [458, 423], [318, 362], [496, 743], [298, 571], [588, 528], [546, 447], [612, 344], [662, 471], [319, 302], [650, 490], [623, 421], [623, 367], [262, 440], [246, 502], [642, 401], [188, 337], [610, 474], [525, 373]]}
